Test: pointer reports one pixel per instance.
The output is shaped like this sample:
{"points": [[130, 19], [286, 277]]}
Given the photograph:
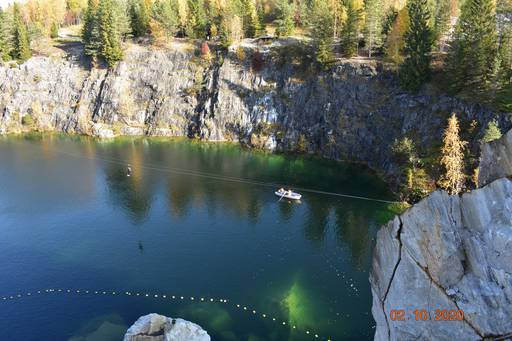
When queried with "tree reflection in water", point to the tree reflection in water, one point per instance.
{"points": [[350, 220]]}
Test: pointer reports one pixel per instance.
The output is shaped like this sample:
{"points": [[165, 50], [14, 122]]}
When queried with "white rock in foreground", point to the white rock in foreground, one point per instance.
{"points": [[154, 327]]}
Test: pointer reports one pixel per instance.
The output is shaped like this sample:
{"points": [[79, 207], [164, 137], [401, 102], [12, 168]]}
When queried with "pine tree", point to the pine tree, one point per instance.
{"points": [[492, 132], [322, 32], [441, 18], [452, 158], [90, 29], [4, 44], [373, 25], [20, 42], [164, 13], [418, 44], [110, 40], [350, 32], [505, 57], [260, 10], [54, 30], [284, 22], [249, 18], [196, 20], [473, 56], [139, 18]]}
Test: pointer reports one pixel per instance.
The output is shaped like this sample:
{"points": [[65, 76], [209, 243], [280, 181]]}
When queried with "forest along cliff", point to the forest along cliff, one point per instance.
{"points": [[450, 252], [257, 95]]}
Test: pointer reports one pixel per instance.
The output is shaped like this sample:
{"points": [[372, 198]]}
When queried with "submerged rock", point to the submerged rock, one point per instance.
{"points": [[449, 253], [154, 327]]}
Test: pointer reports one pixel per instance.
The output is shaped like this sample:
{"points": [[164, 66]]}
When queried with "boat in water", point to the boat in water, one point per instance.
{"points": [[289, 194]]}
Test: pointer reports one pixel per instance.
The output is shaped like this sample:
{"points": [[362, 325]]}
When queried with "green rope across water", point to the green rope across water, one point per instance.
{"points": [[194, 299]]}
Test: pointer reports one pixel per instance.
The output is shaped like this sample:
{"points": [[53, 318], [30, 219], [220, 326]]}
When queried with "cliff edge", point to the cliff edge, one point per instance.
{"points": [[450, 253]]}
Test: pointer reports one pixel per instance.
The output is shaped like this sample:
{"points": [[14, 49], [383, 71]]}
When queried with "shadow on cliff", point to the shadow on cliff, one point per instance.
{"points": [[74, 51]]}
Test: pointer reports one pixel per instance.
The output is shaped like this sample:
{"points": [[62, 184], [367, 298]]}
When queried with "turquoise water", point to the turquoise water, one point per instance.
{"points": [[194, 220]]}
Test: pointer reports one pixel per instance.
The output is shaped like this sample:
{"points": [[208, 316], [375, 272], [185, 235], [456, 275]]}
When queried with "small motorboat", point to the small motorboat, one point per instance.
{"points": [[129, 171], [288, 194]]}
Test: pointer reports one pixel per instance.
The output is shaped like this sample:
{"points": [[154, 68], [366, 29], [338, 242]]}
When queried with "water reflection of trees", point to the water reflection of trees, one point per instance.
{"points": [[352, 221]]}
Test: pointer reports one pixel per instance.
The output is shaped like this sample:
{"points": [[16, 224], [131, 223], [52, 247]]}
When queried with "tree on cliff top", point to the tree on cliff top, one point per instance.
{"points": [[452, 158], [110, 37], [4, 46], [418, 44], [20, 42], [473, 56], [284, 21], [350, 31], [139, 18], [90, 29], [322, 32]]}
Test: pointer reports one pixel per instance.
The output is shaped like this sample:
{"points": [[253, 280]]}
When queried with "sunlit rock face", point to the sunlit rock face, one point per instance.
{"points": [[154, 327], [496, 159], [449, 253]]}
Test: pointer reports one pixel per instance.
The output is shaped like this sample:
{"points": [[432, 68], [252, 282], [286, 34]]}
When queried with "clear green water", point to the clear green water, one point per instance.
{"points": [[71, 218]]}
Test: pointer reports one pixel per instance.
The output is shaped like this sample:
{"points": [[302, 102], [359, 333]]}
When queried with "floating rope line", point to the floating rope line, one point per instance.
{"points": [[164, 297], [189, 172]]}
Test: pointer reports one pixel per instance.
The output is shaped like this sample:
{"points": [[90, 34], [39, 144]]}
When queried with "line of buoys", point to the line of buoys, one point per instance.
{"points": [[159, 296], [189, 172]]}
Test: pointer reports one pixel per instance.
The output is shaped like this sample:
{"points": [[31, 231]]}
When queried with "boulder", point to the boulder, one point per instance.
{"points": [[154, 327]]}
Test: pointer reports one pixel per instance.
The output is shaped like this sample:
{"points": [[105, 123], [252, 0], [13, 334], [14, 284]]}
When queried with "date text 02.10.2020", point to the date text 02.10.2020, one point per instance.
{"points": [[424, 315]]}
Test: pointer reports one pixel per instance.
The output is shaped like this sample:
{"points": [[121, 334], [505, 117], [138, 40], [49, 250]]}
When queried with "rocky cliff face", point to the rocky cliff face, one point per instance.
{"points": [[449, 253], [154, 327], [496, 160], [352, 112]]}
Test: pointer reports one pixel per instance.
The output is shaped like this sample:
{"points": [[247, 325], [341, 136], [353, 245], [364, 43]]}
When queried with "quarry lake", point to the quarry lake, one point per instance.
{"points": [[197, 221]]}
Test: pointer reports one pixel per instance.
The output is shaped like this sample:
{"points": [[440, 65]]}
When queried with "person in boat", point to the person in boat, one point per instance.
{"points": [[281, 190], [129, 170]]}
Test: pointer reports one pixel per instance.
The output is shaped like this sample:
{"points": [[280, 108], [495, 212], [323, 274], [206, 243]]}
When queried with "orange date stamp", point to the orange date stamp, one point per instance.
{"points": [[425, 315]]}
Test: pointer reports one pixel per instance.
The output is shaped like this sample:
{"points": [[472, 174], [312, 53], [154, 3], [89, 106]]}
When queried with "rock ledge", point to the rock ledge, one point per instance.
{"points": [[154, 327]]}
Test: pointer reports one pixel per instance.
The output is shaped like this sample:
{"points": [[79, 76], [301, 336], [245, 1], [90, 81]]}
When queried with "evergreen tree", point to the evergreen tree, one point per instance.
{"points": [[441, 18], [110, 39], [473, 56], [249, 18], [505, 57], [492, 132], [350, 31], [20, 42], [4, 44], [284, 22], [165, 14], [90, 29], [372, 25], [418, 44], [322, 32], [196, 20], [452, 158], [260, 10], [139, 18]]}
